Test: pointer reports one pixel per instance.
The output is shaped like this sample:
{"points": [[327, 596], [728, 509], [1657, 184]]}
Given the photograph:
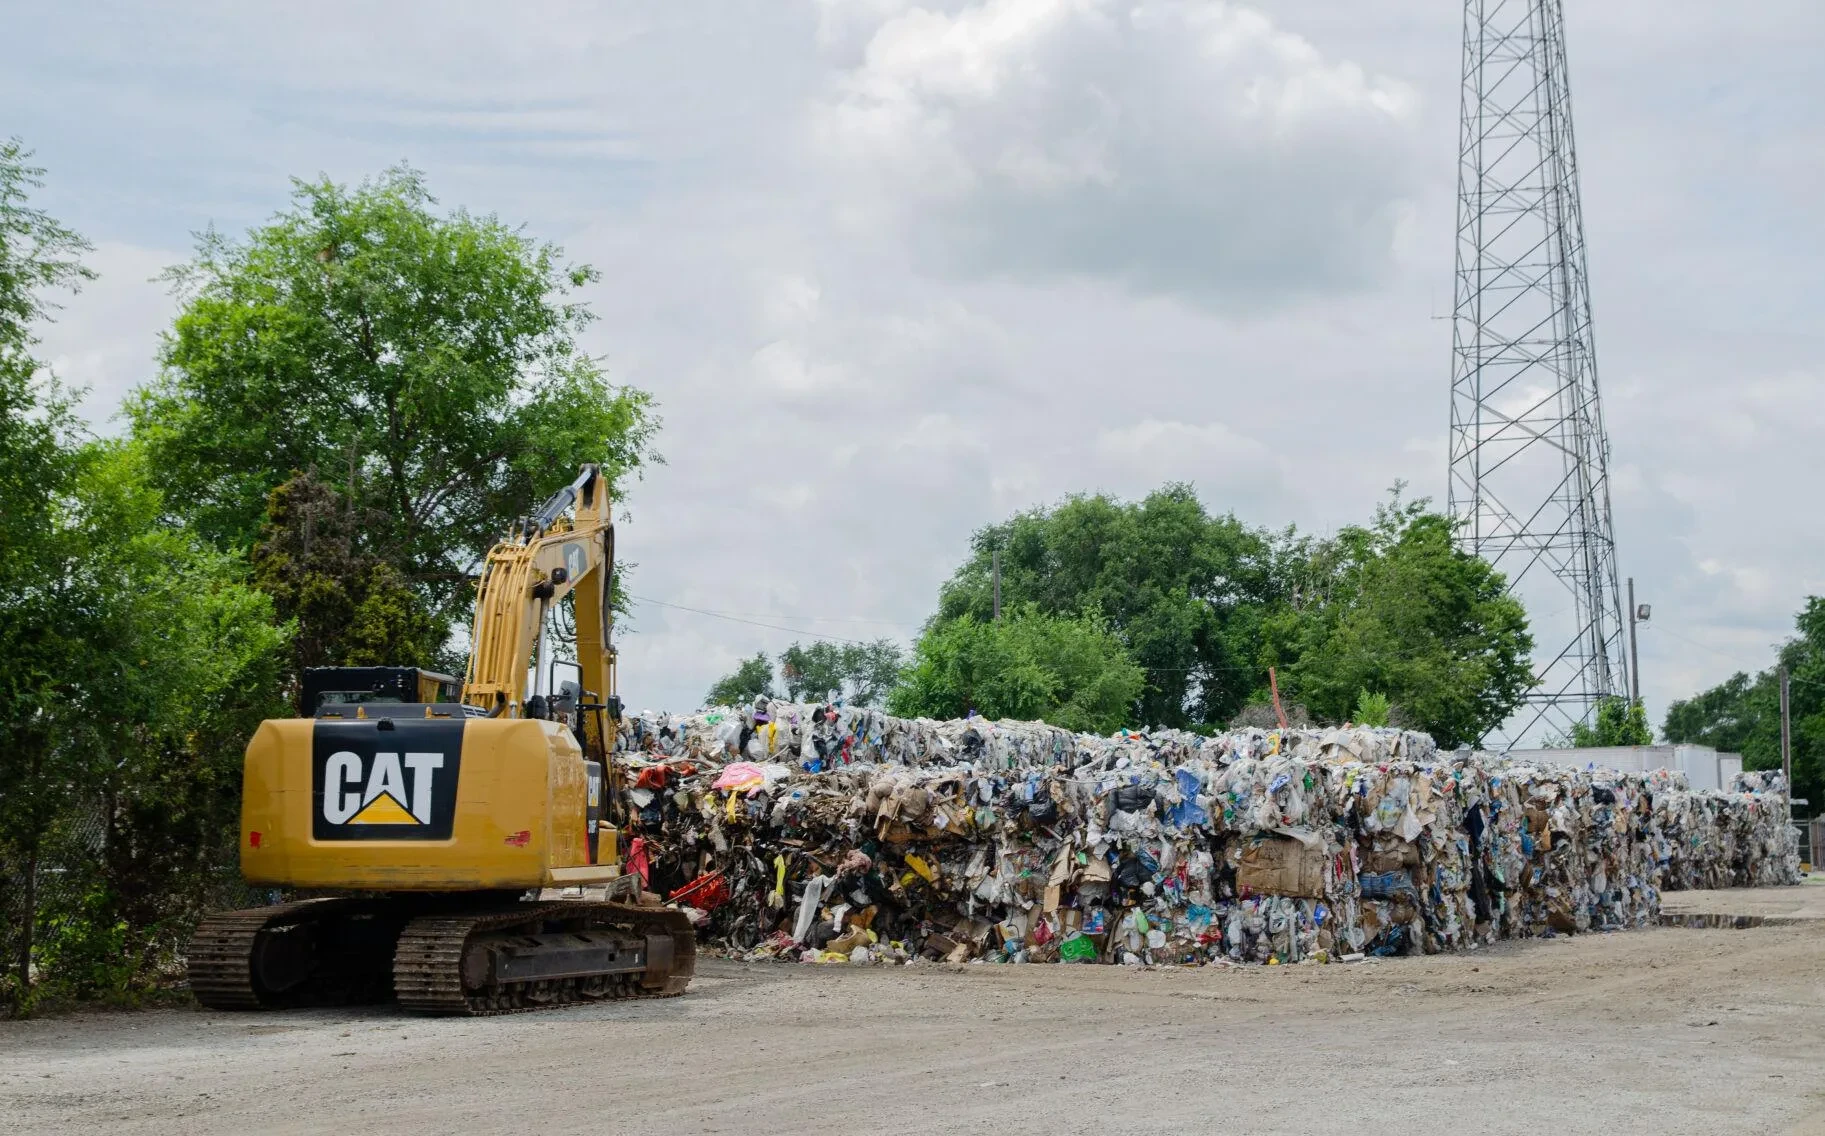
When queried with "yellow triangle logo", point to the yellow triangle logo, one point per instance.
{"points": [[383, 810]]}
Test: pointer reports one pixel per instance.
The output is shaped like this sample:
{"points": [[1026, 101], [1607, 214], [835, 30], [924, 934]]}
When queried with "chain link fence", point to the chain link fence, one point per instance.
{"points": [[56, 913], [43, 894]]}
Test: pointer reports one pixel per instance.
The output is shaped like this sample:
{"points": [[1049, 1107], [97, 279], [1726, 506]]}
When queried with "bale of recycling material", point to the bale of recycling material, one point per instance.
{"points": [[847, 835], [1281, 865]]}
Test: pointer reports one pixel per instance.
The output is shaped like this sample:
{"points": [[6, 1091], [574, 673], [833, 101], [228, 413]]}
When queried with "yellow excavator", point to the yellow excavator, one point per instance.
{"points": [[428, 823]]}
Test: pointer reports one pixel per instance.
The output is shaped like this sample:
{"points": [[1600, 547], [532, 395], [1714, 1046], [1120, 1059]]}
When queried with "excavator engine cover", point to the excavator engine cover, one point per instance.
{"points": [[422, 804]]}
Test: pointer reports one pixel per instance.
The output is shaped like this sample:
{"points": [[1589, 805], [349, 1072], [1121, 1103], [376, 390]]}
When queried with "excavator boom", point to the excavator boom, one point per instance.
{"points": [[525, 577]]}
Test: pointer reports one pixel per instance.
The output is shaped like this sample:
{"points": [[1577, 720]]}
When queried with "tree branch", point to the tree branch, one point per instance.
{"points": [[434, 496]]}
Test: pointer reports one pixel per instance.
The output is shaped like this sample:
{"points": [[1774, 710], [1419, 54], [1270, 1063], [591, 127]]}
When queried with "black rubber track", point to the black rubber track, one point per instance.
{"points": [[427, 965], [220, 957]]}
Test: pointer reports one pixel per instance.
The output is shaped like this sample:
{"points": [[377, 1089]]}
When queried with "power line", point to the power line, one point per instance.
{"points": [[1727, 657], [752, 622], [801, 618], [1734, 662]]}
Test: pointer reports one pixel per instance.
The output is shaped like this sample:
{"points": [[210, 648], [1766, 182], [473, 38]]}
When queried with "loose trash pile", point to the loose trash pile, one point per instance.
{"points": [[835, 834]]}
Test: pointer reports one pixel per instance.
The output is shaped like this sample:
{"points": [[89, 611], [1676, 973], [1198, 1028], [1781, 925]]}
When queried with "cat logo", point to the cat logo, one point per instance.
{"points": [[383, 799], [576, 561], [391, 781]]}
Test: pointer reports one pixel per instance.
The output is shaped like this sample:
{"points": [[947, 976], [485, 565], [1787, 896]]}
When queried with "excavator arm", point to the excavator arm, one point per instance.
{"points": [[546, 557]]}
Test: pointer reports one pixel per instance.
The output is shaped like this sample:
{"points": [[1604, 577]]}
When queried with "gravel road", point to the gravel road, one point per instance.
{"points": [[1662, 1031]]}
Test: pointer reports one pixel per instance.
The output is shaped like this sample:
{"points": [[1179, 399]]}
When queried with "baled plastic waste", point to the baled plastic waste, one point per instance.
{"points": [[838, 834]]}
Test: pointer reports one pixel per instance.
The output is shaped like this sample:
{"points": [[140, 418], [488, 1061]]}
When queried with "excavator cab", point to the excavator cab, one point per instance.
{"points": [[451, 813], [336, 692]]}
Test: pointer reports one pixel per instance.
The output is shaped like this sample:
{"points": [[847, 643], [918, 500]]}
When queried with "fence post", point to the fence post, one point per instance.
{"points": [[27, 924]]}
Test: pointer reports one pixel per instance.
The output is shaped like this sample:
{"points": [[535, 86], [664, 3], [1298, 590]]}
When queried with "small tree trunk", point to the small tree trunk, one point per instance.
{"points": [[27, 927]]}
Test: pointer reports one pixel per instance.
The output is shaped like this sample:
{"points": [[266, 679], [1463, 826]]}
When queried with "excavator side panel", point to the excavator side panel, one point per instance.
{"points": [[418, 804]]}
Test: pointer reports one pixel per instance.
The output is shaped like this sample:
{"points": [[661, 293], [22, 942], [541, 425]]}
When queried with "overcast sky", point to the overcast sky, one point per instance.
{"points": [[896, 271]]}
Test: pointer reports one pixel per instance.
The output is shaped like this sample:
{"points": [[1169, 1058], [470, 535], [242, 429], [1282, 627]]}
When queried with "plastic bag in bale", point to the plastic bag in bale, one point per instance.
{"points": [[1133, 798], [1385, 885], [1042, 810]]}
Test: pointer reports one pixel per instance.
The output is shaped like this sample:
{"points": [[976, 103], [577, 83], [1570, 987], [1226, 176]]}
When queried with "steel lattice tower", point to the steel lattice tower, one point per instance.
{"points": [[1529, 456]]}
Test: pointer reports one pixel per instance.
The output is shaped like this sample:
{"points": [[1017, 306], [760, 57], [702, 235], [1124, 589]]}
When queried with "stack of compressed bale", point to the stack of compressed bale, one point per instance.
{"points": [[849, 834], [1742, 837]]}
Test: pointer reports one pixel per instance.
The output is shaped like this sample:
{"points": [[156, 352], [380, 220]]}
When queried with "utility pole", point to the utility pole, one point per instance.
{"points": [[997, 573], [1786, 737], [1634, 657]]}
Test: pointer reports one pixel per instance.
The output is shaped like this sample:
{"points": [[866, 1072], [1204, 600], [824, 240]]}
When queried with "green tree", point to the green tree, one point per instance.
{"points": [[751, 680], [181, 661], [1070, 671], [37, 255], [813, 672], [860, 673], [39, 466], [1183, 591], [163, 662], [1398, 609], [349, 607], [1205, 604], [136, 663], [1619, 722], [425, 363], [1728, 716], [1742, 714], [1372, 709]]}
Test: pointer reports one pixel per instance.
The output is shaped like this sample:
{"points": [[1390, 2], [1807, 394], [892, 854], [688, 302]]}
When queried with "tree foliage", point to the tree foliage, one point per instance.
{"points": [[860, 674], [121, 775], [1372, 709], [1071, 671], [39, 467], [752, 679], [1397, 608], [350, 607], [181, 661], [38, 447], [1729, 716], [1742, 714], [1205, 604], [423, 363], [1618, 722], [1182, 591], [38, 255]]}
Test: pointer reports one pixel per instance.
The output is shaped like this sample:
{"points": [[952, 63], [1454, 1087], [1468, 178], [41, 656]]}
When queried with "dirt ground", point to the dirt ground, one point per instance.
{"points": [[1664, 1031], [1783, 903]]}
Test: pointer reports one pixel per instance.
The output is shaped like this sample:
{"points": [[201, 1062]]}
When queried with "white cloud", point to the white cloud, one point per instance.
{"points": [[1150, 440], [783, 367], [1188, 147], [1221, 461], [105, 338]]}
